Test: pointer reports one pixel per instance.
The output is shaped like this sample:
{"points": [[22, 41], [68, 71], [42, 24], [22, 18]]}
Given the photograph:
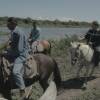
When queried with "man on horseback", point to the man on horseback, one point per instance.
{"points": [[18, 51], [35, 33], [93, 39]]}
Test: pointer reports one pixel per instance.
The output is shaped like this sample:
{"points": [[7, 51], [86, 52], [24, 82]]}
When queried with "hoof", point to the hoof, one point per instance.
{"points": [[84, 87]]}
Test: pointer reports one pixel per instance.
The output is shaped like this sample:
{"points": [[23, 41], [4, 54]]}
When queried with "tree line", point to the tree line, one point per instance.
{"points": [[46, 23]]}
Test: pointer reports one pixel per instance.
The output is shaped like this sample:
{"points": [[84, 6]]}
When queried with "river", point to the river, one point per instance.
{"points": [[49, 33]]}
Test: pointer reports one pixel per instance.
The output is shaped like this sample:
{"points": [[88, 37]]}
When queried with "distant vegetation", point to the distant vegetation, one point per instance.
{"points": [[3, 33], [46, 23]]}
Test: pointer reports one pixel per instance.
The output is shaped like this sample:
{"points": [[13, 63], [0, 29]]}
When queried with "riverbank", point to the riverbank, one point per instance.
{"points": [[24, 22], [3, 33]]}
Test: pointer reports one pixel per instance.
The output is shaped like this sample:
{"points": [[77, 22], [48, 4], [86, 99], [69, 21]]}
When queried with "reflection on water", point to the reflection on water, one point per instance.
{"points": [[48, 33]]}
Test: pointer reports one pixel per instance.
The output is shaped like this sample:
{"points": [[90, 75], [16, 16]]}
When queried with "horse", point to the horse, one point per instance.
{"points": [[82, 55], [41, 46], [46, 66]]}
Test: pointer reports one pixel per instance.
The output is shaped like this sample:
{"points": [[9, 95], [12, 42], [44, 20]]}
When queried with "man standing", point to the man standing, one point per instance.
{"points": [[18, 50]]}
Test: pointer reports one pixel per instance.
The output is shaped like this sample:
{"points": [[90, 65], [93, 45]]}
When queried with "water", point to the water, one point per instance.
{"points": [[50, 33]]}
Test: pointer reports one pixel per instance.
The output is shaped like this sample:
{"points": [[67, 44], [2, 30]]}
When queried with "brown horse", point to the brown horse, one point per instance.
{"points": [[46, 66], [41, 46]]}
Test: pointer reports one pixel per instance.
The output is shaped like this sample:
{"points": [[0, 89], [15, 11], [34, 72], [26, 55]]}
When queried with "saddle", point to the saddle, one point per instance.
{"points": [[30, 67]]}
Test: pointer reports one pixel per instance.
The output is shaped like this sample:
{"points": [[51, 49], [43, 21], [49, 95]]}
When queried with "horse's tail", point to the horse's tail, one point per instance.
{"points": [[57, 76]]}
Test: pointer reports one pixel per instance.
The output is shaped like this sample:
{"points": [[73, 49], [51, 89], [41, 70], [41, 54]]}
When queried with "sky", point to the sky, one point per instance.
{"points": [[79, 10]]}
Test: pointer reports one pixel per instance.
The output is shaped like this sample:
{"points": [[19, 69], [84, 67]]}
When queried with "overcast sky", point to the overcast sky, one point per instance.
{"points": [[82, 10]]}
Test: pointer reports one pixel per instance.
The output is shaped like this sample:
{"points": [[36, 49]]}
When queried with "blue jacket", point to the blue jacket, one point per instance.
{"points": [[19, 43], [34, 34]]}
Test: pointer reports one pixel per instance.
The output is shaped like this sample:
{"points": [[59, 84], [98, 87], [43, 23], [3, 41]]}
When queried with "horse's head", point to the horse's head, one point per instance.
{"points": [[41, 46], [29, 60], [80, 50], [75, 52]]}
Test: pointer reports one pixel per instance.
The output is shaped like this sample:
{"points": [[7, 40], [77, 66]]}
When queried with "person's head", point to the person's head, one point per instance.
{"points": [[95, 25], [11, 23], [34, 24]]}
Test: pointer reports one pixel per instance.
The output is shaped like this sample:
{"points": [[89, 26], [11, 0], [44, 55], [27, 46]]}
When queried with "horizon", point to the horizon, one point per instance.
{"points": [[63, 10], [51, 19]]}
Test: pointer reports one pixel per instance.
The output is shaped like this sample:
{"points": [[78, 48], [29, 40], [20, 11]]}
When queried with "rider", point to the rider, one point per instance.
{"points": [[35, 33], [18, 50], [93, 39]]}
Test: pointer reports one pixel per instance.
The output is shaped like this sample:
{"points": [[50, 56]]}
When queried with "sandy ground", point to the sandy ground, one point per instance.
{"points": [[70, 93]]}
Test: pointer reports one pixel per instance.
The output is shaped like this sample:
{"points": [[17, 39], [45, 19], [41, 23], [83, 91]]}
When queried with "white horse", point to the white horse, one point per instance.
{"points": [[82, 56]]}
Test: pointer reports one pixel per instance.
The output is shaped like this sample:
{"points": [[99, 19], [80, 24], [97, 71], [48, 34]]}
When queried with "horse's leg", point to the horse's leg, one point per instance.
{"points": [[86, 76], [7, 94], [44, 81], [78, 71], [87, 71], [92, 71], [28, 92], [44, 84], [95, 62]]}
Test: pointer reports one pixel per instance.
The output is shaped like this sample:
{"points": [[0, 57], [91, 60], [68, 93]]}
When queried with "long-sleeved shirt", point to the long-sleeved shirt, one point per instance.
{"points": [[35, 33], [93, 36], [19, 42]]}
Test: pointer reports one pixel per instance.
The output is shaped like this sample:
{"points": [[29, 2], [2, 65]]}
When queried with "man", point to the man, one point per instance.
{"points": [[93, 39], [35, 33], [19, 51]]}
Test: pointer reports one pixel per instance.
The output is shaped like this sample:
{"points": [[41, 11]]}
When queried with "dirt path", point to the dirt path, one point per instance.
{"points": [[69, 94]]}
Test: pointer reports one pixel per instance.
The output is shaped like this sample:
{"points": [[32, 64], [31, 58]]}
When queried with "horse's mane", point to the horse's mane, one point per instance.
{"points": [[84, 46]]}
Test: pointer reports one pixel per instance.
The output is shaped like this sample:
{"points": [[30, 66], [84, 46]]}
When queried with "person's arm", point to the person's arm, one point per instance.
{"points": [[88, 36], [21, 42], [36, 36]]}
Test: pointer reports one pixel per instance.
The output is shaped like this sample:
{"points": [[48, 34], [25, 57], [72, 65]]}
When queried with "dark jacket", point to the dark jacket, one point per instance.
{"points": [[93, 36]]}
